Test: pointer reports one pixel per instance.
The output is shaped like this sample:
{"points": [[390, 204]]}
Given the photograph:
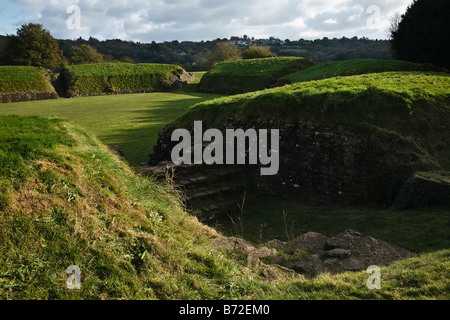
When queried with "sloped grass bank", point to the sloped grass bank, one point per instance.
{"points": [[350, 68], [24, 83], [249, 74], [412, 105], [67, 200], [110, 78]]}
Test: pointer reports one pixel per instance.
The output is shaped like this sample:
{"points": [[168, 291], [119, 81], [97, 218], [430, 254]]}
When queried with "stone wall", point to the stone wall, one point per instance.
{"points": [[27, 96], [321, 162]]}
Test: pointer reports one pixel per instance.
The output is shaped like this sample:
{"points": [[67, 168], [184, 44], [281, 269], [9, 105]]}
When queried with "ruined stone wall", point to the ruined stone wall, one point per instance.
{"points": [[323, 163]]}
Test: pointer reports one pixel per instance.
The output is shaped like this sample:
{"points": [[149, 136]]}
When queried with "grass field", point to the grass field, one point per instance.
{"points": [[249, 74], [131, 121], [15, 79], [349, 68]]}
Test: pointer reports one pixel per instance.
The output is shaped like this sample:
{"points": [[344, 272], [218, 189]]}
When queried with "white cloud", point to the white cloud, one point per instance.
{"points": [[159, 20]]}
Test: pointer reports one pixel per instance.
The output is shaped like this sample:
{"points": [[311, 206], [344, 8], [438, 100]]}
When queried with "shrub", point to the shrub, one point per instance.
{"points": [[85, 54], [420, 34], [254, 52]]}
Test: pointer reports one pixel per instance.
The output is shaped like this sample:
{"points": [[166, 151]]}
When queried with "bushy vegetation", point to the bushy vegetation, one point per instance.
{"points": [[349, 68], [101, 78], [33, 46], [65, 199], [249, 75], [84, 54], [418, 37], [254, 52], [16, 79]]}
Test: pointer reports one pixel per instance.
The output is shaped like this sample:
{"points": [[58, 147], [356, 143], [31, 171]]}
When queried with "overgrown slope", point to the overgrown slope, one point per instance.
{"points": [[412, 104], [109, 78], [22, 83], [65, 199], [350, 68], [249, 74]]}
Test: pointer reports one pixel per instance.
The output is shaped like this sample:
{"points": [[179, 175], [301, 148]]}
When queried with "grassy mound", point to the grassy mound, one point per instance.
{"points": [[409, 104], [23, 83], [65, 199], [104, 78], [249, 75], [349, 68], [401, 119]]}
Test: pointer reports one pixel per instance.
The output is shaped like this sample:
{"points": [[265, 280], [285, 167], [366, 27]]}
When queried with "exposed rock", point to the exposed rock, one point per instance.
{"points": [[178, 79], [27, 96], [425, 189], [307, 242], [338, 253], [117, 149], [352, 264], [309, 266], [347, 251], [368, 250], [276, 244], [234, 244]]}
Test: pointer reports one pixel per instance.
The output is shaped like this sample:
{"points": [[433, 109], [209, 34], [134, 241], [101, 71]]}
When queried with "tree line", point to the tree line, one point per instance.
{"points": [[417, 36]]}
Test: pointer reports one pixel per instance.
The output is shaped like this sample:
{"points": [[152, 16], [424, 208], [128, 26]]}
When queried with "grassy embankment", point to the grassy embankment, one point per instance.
{"points": [[249, 75], [24, 83], [104, 78], [66, 199], [349, 68]]}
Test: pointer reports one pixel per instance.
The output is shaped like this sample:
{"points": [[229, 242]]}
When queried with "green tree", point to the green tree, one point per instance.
{"points": [[85, 54], [223, 51], [254, 52], [421, 35], [34, 46]]}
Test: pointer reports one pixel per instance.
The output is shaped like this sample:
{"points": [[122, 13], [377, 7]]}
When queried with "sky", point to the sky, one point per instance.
{"points": [[166, 20]]}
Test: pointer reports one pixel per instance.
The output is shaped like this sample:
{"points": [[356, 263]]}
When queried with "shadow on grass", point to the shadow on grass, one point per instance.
{"points": [[137, 139]]}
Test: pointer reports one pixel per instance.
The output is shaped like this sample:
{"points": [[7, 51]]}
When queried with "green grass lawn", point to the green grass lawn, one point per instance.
{"points": [[131, 121]]}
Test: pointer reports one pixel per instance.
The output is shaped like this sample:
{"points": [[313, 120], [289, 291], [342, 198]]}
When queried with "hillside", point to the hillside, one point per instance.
{"points": [[350, 68], [66, 199], [249, 75], [113, 78], [23, 83]]}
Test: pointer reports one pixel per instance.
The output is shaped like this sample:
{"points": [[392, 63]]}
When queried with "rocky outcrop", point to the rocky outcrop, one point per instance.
{"points": [[313, 253], [425, 189], [178, 79]]}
